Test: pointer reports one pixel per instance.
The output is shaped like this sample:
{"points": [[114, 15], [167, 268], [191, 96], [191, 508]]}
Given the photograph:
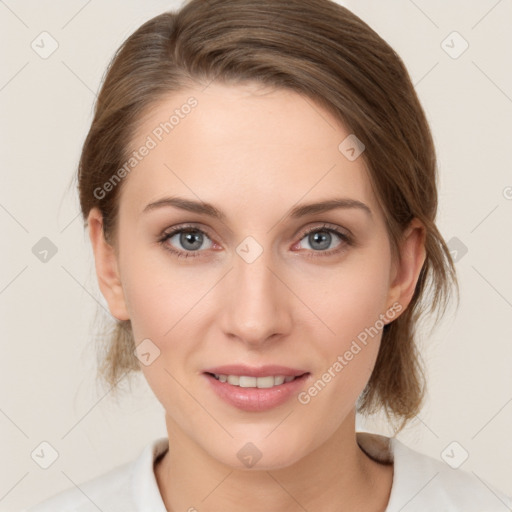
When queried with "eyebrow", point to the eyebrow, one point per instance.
{"points": [[295, 213]]}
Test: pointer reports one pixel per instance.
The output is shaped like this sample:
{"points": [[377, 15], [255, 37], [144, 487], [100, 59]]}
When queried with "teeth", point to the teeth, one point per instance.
{"points": [[245, 381]]}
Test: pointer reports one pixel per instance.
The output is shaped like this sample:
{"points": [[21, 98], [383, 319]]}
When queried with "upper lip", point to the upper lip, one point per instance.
{"points": [[255, 371]]}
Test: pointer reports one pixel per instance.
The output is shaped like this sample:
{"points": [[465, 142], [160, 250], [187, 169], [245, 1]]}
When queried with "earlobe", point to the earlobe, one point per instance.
{"points": [[106, 265], [407, 270]]}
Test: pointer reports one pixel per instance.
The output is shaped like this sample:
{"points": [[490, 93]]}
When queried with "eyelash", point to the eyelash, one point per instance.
{"points": [[346, 239]]}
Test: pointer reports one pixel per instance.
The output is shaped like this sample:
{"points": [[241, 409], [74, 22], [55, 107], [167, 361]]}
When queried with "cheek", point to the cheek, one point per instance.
{"points": [[348, 299], [162, 303], [158, 293], [351, 305]]}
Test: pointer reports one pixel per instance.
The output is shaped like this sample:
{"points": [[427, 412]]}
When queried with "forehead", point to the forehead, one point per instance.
{"points": [[242, 146]]}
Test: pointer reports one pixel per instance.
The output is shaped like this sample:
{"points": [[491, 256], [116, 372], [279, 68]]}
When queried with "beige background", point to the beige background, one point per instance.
{"points": [[48, 392]]}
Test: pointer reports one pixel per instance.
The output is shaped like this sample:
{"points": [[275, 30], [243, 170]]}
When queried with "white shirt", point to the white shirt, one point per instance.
{"points": [[420, 484]]}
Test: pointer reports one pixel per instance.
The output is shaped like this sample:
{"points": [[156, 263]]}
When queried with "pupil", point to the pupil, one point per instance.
{"points": [[323, 237], [191, 238]]}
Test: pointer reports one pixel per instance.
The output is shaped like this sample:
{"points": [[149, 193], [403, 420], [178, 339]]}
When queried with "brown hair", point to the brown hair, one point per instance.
{"points": [[321, 50]]}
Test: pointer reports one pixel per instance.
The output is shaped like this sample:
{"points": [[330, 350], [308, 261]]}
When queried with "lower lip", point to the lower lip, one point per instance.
{"points": [[256, 399]]}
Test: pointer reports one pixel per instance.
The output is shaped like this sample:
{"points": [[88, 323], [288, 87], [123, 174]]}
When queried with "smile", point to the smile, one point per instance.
{"points": [[245, 381], [256, 393]]}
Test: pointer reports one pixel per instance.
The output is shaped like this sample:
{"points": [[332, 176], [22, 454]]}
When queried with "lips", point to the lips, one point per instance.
{"points": [[249, 388]]}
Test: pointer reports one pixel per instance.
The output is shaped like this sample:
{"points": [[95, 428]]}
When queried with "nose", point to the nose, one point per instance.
{"points": [[255, 304]]}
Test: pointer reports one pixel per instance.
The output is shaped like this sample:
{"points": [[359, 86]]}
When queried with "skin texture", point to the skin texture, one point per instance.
{"points": [[255, 153]]}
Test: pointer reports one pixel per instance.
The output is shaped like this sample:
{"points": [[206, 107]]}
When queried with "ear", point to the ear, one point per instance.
{"points": [[106, 267], [405, 273]]}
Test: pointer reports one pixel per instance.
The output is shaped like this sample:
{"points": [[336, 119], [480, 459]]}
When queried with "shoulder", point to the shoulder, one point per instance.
{"points": [[421, 482], [92, 495], [118, 490]]}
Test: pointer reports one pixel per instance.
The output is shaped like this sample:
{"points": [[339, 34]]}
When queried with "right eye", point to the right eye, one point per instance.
{"points": [[189, 240]]}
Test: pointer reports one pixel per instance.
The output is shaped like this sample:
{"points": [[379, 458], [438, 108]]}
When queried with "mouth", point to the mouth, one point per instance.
{"points": [[248, 381], [255, 389]]}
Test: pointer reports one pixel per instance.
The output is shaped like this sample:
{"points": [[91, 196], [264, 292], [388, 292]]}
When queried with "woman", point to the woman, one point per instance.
{"points": [[259, 183]]}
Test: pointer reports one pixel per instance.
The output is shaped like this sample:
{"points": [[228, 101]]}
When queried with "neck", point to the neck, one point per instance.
{"points": [[336, 476]]}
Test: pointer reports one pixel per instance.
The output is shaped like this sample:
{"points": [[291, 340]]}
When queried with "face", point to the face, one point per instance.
{"points": [[261, 284]]}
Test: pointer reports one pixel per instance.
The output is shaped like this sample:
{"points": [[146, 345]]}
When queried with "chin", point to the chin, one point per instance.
{"points": [[262, 451]]}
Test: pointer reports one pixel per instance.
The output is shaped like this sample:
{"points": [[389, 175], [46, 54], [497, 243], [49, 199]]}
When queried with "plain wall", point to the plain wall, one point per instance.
{"points": [[47, 309]]}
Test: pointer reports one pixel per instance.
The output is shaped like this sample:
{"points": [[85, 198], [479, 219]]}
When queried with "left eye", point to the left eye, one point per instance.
{"points": [[320, 239]]}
